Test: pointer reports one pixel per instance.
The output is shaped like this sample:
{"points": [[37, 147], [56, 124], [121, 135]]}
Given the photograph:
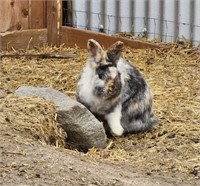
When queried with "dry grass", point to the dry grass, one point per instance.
{"points": [[30, 118], [174, 76]]}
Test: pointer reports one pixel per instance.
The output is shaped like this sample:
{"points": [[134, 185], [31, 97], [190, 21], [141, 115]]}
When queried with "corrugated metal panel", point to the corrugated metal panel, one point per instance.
{"points": [[168, 20]]}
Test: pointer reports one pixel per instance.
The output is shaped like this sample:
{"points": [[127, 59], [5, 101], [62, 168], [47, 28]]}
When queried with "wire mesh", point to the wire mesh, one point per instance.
{"points": [[153, 28]]}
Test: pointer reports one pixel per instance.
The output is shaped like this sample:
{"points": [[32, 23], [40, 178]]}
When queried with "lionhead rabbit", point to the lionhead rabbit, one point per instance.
{"points": [[115, 91]]}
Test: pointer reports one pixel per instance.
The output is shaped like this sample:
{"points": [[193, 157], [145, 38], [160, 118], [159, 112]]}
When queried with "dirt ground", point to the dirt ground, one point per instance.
{"points": [[24, 162], [32, 144]]}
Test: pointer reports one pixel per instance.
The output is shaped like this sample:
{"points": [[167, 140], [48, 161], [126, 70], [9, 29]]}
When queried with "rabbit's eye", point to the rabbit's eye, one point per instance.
{"points": [[102, 75], [101, 71]]}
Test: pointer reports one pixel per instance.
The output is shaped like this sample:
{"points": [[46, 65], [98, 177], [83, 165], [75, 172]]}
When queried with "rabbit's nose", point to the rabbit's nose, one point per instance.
{"points": [[110, 85]]}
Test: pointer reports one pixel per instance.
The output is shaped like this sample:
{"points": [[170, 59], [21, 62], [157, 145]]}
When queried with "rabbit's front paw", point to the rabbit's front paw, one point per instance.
{"points": [[117, 130], [114, 121]]}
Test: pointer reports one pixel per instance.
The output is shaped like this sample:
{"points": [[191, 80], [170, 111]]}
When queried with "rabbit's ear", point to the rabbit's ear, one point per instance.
{"points": [[94, 47], [114, 52]]}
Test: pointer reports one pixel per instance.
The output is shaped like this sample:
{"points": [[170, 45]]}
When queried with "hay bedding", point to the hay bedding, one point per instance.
{"points": [[173, 146], [30, 118]]}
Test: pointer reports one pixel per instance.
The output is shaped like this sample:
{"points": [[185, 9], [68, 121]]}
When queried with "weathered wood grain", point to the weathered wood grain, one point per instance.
{"points": [[23, 39], [73, 36], [37, 14], [54, 21], [14, 15]]}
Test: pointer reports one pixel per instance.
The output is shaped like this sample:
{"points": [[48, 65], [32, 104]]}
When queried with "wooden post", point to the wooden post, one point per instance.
{"points": [[37, 14], [54, 21]]}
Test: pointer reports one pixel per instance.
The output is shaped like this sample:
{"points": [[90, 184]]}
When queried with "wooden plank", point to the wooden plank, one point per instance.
{"points": [[13, 15], [23, 39], [54, 21], [73, 36], [37, 14], [41, 56]]}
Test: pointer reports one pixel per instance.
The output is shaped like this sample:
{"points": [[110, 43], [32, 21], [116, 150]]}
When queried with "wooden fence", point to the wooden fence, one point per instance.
{"points": [[22, 14], [26, 23]]}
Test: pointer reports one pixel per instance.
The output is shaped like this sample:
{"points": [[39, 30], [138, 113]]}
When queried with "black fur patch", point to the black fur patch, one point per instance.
{"points": [[105, 111], [98, 91], [136, 84], [103, 70]]}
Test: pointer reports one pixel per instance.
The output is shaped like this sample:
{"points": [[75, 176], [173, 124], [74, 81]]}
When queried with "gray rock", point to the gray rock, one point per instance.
{"points": [[83, 129]]}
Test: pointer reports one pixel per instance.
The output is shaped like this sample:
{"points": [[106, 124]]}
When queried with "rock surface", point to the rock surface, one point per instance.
{"points": [[83, 129]]}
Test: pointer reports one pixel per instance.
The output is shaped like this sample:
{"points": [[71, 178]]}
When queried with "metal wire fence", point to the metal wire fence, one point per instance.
{"points": [[140, 26]]}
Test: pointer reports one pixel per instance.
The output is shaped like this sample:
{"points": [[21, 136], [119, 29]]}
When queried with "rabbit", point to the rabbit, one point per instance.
{"points": [[115, 91]]}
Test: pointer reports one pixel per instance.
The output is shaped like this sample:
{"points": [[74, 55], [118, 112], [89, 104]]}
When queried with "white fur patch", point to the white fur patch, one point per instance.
{"points": [[86, 86], [123, 69], [86, 83], [114, 121], [113, 72]]}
